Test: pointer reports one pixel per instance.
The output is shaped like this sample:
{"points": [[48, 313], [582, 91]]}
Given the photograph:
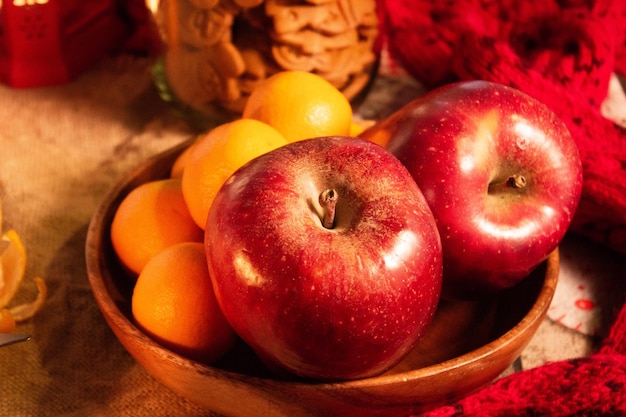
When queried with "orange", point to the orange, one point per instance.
{"points": [[173, 303], [359, 126], [181, 160], [150, 218], [300, 105], [378, 136], [179, 164], [217, 155]]}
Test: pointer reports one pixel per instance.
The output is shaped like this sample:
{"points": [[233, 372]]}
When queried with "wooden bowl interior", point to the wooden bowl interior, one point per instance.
{"points": [[467, 346]]}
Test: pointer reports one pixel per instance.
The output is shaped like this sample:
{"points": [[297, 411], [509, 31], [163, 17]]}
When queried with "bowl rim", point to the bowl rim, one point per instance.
{"points": [[97, 233]]}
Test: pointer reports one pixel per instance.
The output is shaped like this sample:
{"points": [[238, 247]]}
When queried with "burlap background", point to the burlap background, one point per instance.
{"points": [[61, 149]]}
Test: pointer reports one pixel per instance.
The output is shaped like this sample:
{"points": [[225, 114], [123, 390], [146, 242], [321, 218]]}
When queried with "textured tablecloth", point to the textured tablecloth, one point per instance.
{"points": [[61, 149]]}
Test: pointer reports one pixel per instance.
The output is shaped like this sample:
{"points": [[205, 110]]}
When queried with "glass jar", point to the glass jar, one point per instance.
{"points": [[217, 51]]}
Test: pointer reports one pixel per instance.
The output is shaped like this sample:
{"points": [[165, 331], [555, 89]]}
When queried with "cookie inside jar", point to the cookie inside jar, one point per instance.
{"points": [[218, 50]]}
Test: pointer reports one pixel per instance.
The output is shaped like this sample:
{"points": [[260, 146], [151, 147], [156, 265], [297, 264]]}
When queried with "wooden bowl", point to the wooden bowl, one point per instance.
{"points": [[468, 345]]}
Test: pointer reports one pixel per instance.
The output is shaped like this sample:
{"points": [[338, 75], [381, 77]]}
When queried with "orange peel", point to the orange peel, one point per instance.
{"points": [[7, 322], [12, 271]]}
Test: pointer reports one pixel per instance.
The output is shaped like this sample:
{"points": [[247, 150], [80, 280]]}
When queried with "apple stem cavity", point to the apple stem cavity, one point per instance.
{"points": [[328, 201], [514, 182]]}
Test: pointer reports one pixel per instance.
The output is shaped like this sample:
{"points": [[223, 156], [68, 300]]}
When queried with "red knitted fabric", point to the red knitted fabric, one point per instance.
{"points": [[560, 52], [591, 386], [144, 36]]}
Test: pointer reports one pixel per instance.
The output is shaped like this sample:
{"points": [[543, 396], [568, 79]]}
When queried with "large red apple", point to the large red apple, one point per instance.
{"points": [[501, 174], [325, 257]]}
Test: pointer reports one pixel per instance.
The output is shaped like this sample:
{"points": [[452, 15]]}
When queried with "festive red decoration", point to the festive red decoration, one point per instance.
{"points": [[589, 386], [48, 42], [560, 52]]}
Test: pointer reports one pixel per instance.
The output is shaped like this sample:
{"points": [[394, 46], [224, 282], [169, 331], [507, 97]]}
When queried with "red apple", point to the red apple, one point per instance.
{"points": [[500, 172], [325, 257]]}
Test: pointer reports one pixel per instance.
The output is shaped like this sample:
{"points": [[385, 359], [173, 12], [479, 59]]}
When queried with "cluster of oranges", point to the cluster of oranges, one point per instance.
{"points": [[158, 229]]}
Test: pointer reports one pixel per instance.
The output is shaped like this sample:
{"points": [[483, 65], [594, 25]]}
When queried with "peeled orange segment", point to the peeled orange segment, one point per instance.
{"points": [[27, 310], [12, 266]]}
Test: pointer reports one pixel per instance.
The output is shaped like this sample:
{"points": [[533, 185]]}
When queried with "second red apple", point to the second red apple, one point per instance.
{"points": [[501, 174]]}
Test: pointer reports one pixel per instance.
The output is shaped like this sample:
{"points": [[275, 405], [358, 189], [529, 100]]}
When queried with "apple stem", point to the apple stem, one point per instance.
{"points": [[328, 201], [515, 181]]}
